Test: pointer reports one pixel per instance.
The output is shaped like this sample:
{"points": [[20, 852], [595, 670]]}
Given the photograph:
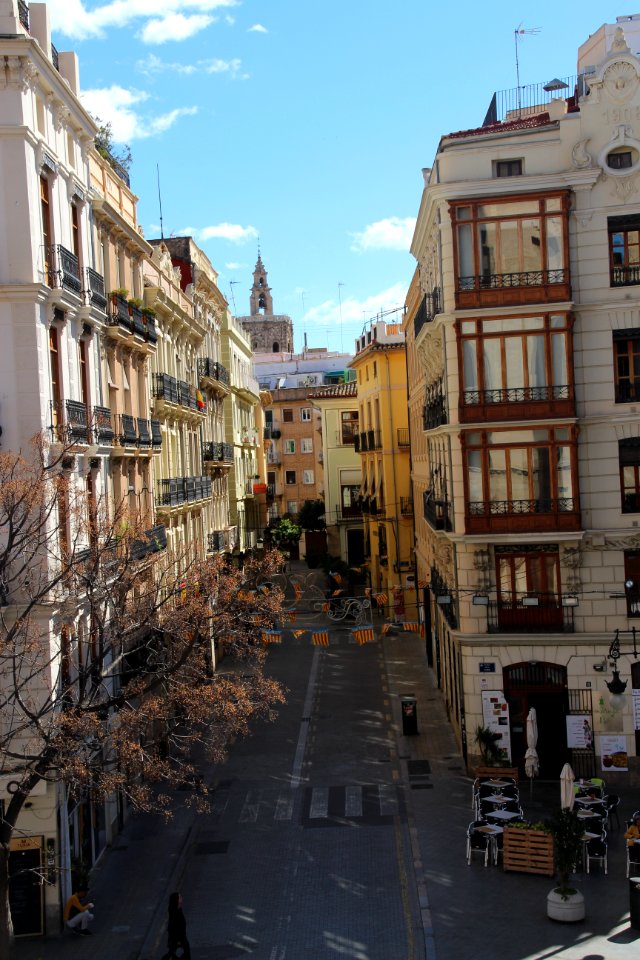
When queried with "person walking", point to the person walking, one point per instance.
{"points": [[179, 948], [77, 914]]}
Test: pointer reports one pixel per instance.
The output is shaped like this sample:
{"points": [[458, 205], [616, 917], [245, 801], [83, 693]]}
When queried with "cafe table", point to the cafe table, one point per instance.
{"points": [[496, 798], [587, 802], [499, 783], [585, 814], [493, 831], [503, 815]]}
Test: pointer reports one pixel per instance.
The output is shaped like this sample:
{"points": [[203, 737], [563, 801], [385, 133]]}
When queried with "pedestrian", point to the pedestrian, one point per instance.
{"points": [[632, 836], [179, 948], [77, 914]]}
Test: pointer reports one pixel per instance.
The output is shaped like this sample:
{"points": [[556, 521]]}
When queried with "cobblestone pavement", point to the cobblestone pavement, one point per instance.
{"points": [[332, 835]]}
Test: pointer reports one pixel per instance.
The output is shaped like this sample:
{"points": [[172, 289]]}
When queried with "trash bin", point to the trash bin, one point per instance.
{"points": [[409, 715], [634, 902]]}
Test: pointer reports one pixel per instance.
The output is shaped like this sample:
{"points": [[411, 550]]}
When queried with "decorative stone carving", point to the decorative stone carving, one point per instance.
{"points": [[432, 356], [61, 115], [630, 542], [620, 80], [580, 155], [571, 559], [625, 186]]}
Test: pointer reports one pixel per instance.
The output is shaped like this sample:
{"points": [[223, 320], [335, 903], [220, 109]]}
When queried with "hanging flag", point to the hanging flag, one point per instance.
{"points": [[385, 628], [298, 633], [272, 636], [291, 615], [410, 627], [321, 638], [200, 400], [381, 599], [363, 634]]}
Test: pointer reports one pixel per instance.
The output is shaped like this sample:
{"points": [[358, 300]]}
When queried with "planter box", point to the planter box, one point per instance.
{"points": [[497, 772], [528, 851]]}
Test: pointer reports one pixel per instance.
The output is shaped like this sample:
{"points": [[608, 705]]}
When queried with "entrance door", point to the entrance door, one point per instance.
{"points": [[355, 547], [543, 686], [26, 890]]}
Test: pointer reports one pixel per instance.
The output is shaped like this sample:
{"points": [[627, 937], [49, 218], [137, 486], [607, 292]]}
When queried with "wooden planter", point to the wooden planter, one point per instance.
{"points": [[528, 851], [497, 772]]}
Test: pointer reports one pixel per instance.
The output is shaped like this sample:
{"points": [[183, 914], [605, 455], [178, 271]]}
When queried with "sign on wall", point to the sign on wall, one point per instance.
{"points": [[613, 753], [579, 732], [495, 716]]}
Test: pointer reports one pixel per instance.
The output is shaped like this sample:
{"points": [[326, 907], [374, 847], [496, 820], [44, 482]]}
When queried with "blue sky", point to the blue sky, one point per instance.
{"points": [[303, 126]]}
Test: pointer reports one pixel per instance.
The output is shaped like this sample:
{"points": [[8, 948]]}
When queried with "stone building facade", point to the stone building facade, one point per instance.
{"points": [[268, 332]]}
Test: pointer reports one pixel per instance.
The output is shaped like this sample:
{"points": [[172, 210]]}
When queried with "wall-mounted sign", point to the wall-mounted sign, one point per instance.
{"points": [[579, 732], [495, 715], [487, 667], [613, 753]]}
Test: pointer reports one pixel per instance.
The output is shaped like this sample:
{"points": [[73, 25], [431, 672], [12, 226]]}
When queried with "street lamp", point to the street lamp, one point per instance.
{"points": [[616, 686]]}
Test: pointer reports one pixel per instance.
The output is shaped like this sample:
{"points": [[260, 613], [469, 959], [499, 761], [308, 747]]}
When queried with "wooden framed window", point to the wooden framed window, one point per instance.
{"points": [[287, 416], [75, 230], [508, 168], [47, 231], [521, 479], [626, 350], [56, 380], [289, 446], [305, 414], [511, 361], [308, 476], [349, 426], [511, 250], [306, 445], [290, 477], [528, 588], [629, 460], [624, 250], [632, 582]]}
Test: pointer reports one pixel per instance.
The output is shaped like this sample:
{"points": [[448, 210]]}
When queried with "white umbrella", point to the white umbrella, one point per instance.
{"points": [[531, 764], [567, 795]]}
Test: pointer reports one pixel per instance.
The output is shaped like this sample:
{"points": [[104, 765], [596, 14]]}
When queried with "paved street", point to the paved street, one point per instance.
{"points": [[333, 836]]}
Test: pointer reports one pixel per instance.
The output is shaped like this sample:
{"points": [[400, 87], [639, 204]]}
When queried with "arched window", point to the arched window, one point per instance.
{"points": [[276, 346], [261, 303]]}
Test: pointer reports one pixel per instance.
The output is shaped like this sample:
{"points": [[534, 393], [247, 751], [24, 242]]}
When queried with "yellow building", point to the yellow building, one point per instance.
{"points": [[383, 443]]}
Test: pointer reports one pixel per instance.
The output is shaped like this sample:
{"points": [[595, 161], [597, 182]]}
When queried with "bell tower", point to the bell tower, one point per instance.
{"points": [[261, 300]]}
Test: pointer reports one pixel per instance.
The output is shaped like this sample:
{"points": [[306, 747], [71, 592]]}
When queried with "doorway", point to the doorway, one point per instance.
{"points": [[355, 547], [543, 686]]}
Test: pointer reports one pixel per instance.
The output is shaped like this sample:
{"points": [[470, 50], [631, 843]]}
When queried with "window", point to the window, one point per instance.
{"points": [[349, 421], [289, 446], [507, 168], [47, 234], [276, 347], [502, 244], [306, 445], [375, 369], [305, 414], [632, 582], [349, 500], [531, 574], [629, 460], [620, 159], [624, 250], [626, 349], [515, 473], [307, 476], [292, 506], [287, 416], [54, 371], [289, 476], [516, 359], [75, 230]]}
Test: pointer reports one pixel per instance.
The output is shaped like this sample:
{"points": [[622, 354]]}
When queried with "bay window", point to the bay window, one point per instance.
{"points": [[624, 250], [515, 478], [511, 246]]}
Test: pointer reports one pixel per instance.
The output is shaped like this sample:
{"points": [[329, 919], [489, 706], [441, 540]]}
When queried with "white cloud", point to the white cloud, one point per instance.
{"points": [[393, 233], [120, 108], [257, 28], [175, 26], [356, 311], [153, 64], [233, 232], [71, 17], [234, 265]]}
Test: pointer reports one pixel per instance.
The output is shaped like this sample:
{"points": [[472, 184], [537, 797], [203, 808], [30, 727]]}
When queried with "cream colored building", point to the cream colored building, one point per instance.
{"points": [[528, 334], [338, 407], [240, 430]]}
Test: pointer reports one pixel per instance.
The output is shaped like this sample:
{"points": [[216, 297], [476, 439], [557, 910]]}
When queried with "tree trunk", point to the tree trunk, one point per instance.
{"points": [[6, 928]]}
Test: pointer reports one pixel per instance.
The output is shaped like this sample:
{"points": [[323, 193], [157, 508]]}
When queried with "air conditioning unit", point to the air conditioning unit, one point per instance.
{"points": [[308, 381]]}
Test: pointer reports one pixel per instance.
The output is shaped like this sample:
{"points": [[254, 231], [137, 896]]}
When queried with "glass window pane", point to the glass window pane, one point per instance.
{"points": [[553, 204], [520, 574], [514, 361], [519, 473], [541, 476], [468, 326], [469, 355], [536, 362], [531, 246], [487, 243], [492, 364], [505, 567], [629, 478], [474, 474], [509, 247], [555, 247], [510, 209], [535, 580], [551, 576], [559, 320], [465, 250], [463, 213], [497, 475], [559, 359], [473, 439], [563, 470]]}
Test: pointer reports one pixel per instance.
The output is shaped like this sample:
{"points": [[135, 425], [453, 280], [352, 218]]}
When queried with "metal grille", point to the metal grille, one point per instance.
{"points": [[500, 281], [517, 395]]}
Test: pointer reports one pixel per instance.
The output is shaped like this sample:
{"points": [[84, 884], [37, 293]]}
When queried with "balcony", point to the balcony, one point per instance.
{"points": [[144, 433], [23, 14], [403, 436], [103, 427], [214, 374], [356, 442], [374, 440], [529, 614], [227, 452], [406, 506], [510, 289], [181, 491], [55, 59], [436, 512], [272, 432], [625, 276], [348, 514], [216, 541], [435, 410], [118, 317], [522, 516], [126, 431], [517, 403], [95, 290], [274, 460], [65, 270], [77, 421], [430, 306], [155, 540], [370, 507], [248, 488], [156, 434], [447, 604], [165, 388]]}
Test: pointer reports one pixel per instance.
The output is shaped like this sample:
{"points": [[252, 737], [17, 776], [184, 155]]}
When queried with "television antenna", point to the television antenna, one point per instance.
{"points": [[518, 33], [232, 284]]}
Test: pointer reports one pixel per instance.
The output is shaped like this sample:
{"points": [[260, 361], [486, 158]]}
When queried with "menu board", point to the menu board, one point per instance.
{"points": [[613, 753], [579, 732], [495, 715], [636, 709]]}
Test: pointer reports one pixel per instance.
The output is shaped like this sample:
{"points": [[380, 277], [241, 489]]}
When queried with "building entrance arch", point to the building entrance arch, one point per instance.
{"points": [[543, 686]]}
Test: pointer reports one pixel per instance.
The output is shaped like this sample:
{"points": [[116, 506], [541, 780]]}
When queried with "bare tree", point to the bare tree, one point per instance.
{"points": [[106, 667]]}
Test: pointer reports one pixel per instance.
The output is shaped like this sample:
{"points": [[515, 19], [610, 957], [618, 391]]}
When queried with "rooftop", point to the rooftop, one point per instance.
{"points": [[337, 390]]}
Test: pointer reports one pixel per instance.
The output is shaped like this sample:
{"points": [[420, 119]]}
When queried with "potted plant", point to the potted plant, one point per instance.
{"points": [[135, 304], [148, 312], [117, 293], [487, 741], [564, 902]]}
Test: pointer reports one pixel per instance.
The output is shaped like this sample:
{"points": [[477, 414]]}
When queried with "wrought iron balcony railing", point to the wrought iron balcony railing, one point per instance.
{"points": [[126, 430], [103, 426], [403, 436], [96, 295], [165, 387], [356, 442], [23, 14], [227, 452], [406, 506], [496, 508], [118, 315], [447, 604], [66, 270], [156, 433], [144, 433], [502, 281], [212, 451], [217, 541], [625, 276], [155, 540], [517, 395], [177, 491], [437, 512], [54, 58], [77, 421], [529, 614], [435, 409], [427, 310]]}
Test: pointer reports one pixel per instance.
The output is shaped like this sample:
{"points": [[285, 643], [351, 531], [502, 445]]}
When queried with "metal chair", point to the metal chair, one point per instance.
{"points": [[597, 852], [612, 802], [477, 842]]}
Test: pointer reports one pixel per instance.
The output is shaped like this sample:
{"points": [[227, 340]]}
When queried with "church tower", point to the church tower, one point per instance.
{"points": [[269, 332]]}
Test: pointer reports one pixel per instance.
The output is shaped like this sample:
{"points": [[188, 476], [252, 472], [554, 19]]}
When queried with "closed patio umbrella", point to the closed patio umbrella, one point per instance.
{"points": [[567, 795], [531, 763]]}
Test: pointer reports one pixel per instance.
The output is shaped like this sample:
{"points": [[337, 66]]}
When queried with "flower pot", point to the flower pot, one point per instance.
{"points": [[567, 909]]}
